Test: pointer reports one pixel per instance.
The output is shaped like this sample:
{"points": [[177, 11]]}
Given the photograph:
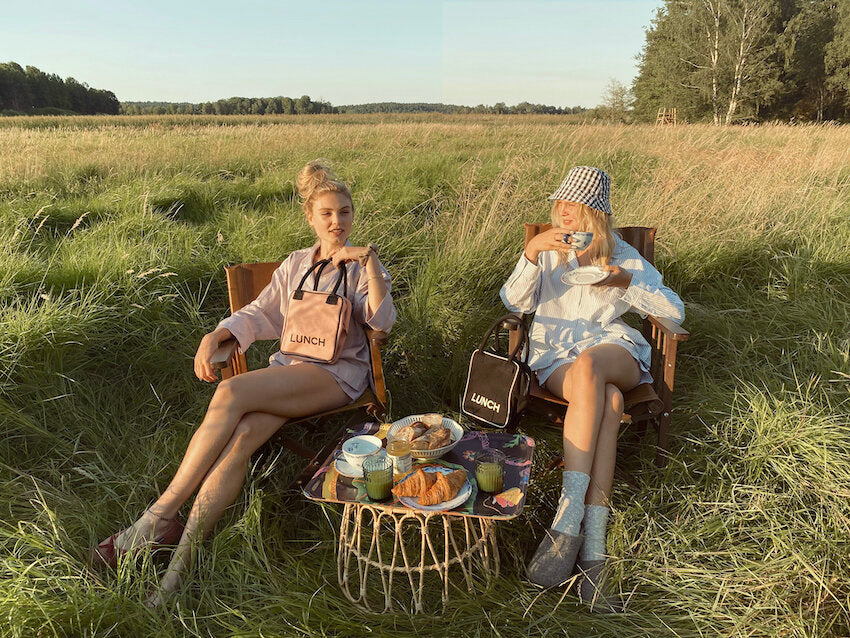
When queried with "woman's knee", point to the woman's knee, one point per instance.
{"points": [[585, 368], [250, 433], [614, 399]]}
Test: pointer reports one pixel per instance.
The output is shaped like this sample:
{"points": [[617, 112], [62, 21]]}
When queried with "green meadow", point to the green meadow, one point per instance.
{"points": [[113, 236]]}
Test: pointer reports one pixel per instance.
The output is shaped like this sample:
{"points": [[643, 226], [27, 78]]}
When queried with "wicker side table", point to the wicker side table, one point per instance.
{"points": [[385, 548], [374, 539]]}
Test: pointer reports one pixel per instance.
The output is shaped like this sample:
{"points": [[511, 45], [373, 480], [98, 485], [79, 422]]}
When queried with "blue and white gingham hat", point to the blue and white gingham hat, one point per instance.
{"points": [[586, 185]]}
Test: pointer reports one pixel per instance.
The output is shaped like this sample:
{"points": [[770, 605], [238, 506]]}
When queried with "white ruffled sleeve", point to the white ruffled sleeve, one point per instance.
{"points": [[646, 294], [521, 292]]}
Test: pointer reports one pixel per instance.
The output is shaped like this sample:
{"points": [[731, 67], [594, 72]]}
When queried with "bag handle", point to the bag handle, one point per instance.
{"points": [[523, 340], [342, 279]]}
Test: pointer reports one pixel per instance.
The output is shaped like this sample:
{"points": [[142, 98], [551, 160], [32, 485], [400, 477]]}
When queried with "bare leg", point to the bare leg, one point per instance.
{"points": [[204, 448], [266, 401], [602, 472], [583, 384]]}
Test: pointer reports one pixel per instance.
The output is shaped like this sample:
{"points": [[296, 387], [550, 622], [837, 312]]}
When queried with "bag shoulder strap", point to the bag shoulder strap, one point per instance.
{"points": [[523, 340], [321, 264]]}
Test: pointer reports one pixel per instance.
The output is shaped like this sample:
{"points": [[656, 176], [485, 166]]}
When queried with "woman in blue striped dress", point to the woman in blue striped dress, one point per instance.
{"points": [[583, 351]]}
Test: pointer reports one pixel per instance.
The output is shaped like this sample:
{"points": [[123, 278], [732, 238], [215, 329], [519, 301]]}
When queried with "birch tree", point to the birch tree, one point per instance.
{"points": [[754, 73], [723, 52]]}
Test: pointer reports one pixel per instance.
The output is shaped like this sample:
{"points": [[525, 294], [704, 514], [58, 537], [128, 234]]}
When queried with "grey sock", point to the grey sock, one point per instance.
{"points": [[595, 525], [571, 506]]}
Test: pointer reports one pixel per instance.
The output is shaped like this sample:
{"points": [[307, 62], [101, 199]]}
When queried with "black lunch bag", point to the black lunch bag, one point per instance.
{"points": [[497, 385]]}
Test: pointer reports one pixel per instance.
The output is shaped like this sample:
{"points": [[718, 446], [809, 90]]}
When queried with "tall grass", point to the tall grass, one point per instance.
{"points": [[113, 234]]}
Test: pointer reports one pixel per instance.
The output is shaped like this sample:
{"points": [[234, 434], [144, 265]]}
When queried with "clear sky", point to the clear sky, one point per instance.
{"points": [[559, 52]]}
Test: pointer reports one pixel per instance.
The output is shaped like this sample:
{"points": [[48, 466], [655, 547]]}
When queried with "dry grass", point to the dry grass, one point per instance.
{"points": [[114, 231]]}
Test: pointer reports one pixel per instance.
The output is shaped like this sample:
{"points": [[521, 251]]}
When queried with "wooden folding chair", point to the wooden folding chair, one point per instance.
{"points": [[647, 403], [244, 283]]}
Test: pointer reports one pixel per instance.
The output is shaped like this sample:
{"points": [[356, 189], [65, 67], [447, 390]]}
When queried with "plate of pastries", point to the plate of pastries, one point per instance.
{"points": [[434, 488], [430, 435]]}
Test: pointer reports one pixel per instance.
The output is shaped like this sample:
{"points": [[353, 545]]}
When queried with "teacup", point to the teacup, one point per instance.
{"points": [[358, 448], [578, 239]]}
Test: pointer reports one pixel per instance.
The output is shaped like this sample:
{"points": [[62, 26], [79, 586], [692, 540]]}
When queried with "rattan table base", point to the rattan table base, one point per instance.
{"points": [[386, 545]]}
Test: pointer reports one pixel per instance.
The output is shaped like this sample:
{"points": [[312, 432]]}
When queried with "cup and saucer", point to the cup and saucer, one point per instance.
{"points": [[349, 462]]}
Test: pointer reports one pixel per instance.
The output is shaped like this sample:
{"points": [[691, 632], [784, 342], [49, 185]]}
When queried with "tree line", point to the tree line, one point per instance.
{"points": [[304, 106], [732, 61], [233, 106], [29, 91], [500, 108]]}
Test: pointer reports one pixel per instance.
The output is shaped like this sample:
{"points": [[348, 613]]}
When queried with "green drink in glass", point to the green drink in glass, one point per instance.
{"points": [[378, 474], [490, 470]]}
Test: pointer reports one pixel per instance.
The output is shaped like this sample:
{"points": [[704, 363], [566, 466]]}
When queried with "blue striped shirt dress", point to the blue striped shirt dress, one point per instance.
{"points": [[570, 319]]}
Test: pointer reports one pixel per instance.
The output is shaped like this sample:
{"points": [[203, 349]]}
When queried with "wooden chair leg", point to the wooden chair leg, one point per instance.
{"points": [[300, 450]]}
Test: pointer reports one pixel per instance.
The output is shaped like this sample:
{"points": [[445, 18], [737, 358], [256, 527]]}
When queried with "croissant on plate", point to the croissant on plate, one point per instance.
{"points": [[415, 485], [445, 488]]}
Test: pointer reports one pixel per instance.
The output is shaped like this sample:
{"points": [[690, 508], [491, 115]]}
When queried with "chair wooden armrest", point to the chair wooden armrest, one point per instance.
{"points": [[513, 333], [224, 354], [671, 329], [378, 338]]}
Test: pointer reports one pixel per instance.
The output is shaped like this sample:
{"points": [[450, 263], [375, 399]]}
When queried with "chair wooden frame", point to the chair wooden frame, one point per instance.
{"points": [[244, 284], [647, 403]]}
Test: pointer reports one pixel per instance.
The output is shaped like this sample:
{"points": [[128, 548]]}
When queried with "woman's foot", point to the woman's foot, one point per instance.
{"points": [[592, 590], [147, 528], [151, 530], [553, 562]]}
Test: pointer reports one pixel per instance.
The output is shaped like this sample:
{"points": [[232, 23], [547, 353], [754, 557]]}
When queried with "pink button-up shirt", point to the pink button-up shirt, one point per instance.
{"points": [[263, 317]]}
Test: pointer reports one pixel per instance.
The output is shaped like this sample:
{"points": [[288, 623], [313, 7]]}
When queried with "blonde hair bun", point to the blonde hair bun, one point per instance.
{"points": [[317, 177], [313, 175]]}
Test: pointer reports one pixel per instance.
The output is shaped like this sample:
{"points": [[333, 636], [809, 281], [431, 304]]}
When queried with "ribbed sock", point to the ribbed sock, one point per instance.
{"points": [[571, 506], [595, 526]]}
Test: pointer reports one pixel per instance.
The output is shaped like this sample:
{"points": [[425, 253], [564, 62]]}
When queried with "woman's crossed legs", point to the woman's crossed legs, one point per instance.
{"points": [[245, 411], [594, 384]]}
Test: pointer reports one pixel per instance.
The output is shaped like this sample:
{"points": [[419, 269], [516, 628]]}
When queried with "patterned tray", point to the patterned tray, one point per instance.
{"points": [[330, 486]]}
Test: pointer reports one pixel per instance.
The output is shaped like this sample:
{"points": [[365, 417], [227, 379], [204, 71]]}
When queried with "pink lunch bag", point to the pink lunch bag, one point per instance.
{"points": [[316, 323]]}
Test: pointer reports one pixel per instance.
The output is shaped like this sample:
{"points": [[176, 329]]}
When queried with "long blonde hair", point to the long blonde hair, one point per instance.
{"points": [[596, 222], [316, 178]]}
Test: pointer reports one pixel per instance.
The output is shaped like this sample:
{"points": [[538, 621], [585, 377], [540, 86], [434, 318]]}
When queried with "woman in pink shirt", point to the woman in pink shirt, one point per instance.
{"points": [[246, 410]]}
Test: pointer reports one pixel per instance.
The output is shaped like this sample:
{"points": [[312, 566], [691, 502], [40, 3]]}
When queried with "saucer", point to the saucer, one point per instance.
{"points": [[347, 469], [584, 276]]}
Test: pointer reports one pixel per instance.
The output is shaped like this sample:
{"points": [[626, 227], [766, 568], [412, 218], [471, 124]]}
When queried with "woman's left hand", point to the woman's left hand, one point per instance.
{"points": [[349, 253], [617, 277]]}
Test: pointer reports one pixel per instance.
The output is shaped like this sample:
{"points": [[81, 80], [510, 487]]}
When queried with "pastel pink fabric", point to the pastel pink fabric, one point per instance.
{"points": [[263, 318], [314, 329]]}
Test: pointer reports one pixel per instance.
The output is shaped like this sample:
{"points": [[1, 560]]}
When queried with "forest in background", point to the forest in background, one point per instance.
{"points": [[30, 91], [305, 106], [719, 61], [732, 61]]}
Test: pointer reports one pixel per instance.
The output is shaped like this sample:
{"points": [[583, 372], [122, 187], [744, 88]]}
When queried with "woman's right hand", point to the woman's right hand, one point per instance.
{"points": [[547, 240], [203, 357]]}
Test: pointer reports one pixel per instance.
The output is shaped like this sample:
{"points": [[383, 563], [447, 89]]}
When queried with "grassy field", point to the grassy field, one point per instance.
{"points": [[113, 234]]}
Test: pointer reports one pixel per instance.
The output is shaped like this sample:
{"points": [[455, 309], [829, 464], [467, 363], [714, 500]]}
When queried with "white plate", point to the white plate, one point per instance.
{"points": [[456, 429], [347, 469], [584, 276], [460, 499]]}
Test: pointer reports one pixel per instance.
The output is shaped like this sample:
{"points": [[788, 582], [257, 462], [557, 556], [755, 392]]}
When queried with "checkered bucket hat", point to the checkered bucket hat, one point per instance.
{"points": [[586, 185]]}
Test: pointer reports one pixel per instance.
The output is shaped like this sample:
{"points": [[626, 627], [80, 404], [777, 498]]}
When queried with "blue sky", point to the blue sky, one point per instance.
{"points": [[560, 52]]}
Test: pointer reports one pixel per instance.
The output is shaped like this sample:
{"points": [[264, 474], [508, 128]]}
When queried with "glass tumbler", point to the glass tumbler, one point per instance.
{"points": [[490, 470], [378, 473]]}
